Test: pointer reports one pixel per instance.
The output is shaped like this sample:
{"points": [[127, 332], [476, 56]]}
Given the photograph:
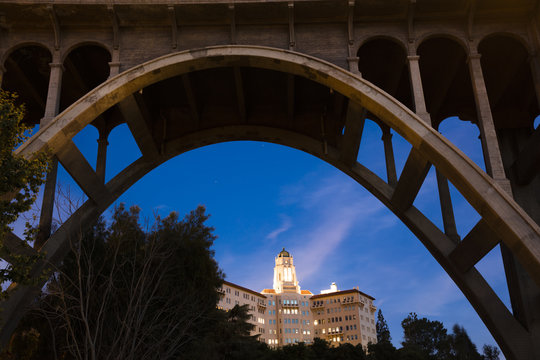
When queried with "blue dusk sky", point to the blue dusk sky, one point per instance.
{"points": [[263, 197]]}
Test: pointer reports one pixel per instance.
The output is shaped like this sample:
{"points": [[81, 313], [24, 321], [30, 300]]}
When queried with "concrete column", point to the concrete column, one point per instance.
{"points": [[353, 64], [447, 210], [391, 173], [417, 89], [47, 207], [488, 134], [102, 155], [53, 94], [114, 65], [51, 110]]}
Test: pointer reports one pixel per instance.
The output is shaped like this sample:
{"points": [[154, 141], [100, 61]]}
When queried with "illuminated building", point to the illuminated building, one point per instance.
{"points": [[287, 315]]}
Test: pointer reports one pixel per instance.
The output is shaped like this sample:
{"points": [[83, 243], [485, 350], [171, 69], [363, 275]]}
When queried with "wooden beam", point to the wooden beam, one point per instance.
{"points": [[191, 98], [240, 96], [527, 164], [478, 242], [80, 170], [354, 126], [14, 246], [136, 115], [411, 180]]}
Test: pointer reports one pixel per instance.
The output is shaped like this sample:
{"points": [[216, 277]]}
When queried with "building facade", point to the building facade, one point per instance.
{"points": [[287, 315], [232, 294]]}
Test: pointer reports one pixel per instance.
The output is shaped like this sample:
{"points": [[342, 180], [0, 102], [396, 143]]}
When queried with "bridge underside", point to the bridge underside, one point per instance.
{"points": [[191, 99]]}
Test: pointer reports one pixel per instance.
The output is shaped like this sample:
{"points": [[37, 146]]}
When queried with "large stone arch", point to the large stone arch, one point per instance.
{"points": [[500, 214]]}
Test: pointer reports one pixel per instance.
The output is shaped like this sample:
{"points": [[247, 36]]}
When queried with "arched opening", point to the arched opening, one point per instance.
{"points": [[514, 102], [27, 72], [445, 80], [509, 82], [383, 62], [85, 67], [315, 138]]}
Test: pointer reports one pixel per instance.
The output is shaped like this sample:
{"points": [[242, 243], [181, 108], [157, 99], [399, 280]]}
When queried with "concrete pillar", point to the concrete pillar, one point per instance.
{"points": [[114, 65], [47, 207], [524, 293], [417, 89], [488, 134], [55, 87], [51, 110], [353, 64], [447, 210], [389, 157], [102, 155]]}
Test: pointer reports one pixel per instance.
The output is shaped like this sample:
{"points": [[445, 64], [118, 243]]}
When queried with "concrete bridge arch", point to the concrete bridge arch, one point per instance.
{"points": [[502, 219]]}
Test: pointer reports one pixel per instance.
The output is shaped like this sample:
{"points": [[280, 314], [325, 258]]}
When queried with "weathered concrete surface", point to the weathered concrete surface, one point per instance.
{"points": [[440, 57], [498, 210]]}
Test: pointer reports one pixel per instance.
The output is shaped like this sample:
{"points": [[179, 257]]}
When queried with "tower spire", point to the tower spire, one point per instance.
{"points": [[285, 273]]}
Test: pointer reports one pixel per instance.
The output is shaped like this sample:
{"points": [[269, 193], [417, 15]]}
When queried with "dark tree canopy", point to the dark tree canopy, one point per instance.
{"points": [[126, 293], [427, 337], [462, 347], [20, 179], [383, 333]]}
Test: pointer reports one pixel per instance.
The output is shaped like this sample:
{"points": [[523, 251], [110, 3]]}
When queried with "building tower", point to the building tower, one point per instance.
{"points": [[285, 274]]}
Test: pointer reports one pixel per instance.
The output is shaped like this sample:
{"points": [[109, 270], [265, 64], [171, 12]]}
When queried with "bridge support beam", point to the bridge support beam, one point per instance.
{"points": [[52, 107], [447, 210], [417, 89], [488, 134], [524, 292], [412, 177], [354, 126], [391, 174]]}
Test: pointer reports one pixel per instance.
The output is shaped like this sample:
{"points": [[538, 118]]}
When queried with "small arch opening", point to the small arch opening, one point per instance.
{"points": [[384, 63], [27, 73], [445, 80]]}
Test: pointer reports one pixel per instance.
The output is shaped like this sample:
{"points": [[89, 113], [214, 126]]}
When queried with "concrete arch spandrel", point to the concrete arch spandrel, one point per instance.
{"points": [[490, 308], [516, 229]]}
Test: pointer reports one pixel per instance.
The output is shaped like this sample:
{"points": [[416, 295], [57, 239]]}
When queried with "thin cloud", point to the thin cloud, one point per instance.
{"points": [[284, 226], [338, 206]]}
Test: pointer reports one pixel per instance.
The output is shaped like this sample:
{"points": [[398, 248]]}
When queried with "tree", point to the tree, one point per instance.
{"points": [[383, 349], [383, 333], [20, 179], [490, 352], [425, 336], [461, 346], [125, 293]]}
